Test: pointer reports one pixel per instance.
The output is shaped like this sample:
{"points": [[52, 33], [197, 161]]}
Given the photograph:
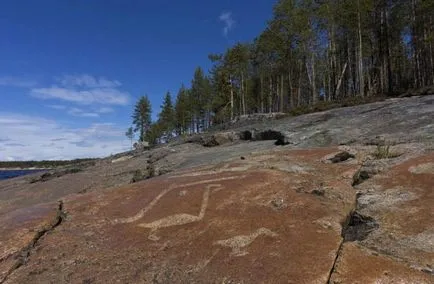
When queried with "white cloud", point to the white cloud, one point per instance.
{"points": [[81, 113], [228, 21], [74, 111], [58, 107], [36, 138], [87, 81], [84, 89], [109, 96], [104, 110], [16, 82]]}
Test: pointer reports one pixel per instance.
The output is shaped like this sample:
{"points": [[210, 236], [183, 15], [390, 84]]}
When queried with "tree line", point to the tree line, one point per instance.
{"points": [[309, 51]]}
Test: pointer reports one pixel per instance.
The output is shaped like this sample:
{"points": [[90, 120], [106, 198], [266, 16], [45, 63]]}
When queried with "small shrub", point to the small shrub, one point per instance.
{"points": [[384, 152], [151, 171], [73, 170], [138, 176]]}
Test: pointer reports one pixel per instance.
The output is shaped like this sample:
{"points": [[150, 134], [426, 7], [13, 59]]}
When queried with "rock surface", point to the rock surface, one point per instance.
{"points": [[242, 211]]}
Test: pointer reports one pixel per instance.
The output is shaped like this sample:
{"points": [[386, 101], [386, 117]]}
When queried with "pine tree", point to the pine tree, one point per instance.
{"points": [[130, 135], [155, 133], [142, 117], [167, 116], [182, 112]]}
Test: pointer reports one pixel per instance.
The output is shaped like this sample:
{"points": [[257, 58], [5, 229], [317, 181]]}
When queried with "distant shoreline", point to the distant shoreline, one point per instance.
{"points": [[24, 169]]}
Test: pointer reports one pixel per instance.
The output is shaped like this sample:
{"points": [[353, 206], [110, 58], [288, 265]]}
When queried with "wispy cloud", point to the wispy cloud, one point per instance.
{"points": [[104, 110], [87, 81], [58, 107], [50, 140], [228, 21], [93, 96], [81, 113], [10, 81], [84, 89]]}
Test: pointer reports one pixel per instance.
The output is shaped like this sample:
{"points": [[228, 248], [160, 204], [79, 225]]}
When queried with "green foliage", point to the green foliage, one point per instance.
{"points": [[138, 176], [199, 100], [57, 173], [130, 135], [155, 133], [142, 116], [46, 164], [311, 56], [167, 116], [384, 152], [183, 113]]}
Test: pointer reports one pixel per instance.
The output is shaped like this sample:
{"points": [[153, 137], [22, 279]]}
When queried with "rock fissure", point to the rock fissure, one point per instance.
{"points": [[335, 261], [270, 134], [355, 227], [23, 255]]}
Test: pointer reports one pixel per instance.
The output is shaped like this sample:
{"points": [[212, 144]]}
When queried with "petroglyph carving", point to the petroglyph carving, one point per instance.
{"points": [[143, 211], [179, 219], [238, 243], [224, 169], [427, 168]]}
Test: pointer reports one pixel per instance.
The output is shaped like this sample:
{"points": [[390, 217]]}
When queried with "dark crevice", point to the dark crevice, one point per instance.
{"points": [[332, 270], [360, 176], [266, 135], [358, 227], [341, 157], [23, 255]]}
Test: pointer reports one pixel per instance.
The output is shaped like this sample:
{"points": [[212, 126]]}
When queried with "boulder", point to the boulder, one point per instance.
{"points": [[220, 138]]}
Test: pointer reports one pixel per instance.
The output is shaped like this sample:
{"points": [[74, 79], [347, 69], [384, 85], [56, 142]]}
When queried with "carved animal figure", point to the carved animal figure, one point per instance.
{"points": [[179, 219]]}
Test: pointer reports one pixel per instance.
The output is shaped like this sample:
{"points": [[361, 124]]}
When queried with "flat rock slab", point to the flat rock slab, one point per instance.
{"points": [[270, 218], [357, 265], [18, 230], [401, 201]]}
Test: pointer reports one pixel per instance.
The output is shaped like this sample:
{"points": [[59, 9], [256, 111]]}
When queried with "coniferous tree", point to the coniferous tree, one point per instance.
{"points": [[142, 117], [130, 135], [167, 116], [312, 51], [182, 112]]}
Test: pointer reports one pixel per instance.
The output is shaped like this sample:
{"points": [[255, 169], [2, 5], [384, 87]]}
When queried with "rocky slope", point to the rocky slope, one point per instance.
{"points": [[346, 196]]}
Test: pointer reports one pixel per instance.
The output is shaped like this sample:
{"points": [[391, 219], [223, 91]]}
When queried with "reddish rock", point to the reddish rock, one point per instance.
{"points": [[273, 217], [19, 231], [358, 265], [401, 200], [243, 222]]}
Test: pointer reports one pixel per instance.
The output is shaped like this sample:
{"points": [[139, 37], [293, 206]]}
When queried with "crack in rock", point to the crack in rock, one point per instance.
{"points": [[253, 135], [341, 157], [355, 227], [358, 227], [24, 254]]}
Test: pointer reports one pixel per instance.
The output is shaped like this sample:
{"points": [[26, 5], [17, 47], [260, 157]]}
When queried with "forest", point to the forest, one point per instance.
{"points": [[310, 52]]}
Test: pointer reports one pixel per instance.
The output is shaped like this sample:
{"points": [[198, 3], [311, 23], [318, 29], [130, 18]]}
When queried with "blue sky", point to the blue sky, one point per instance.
{"points": [[71, 70]]}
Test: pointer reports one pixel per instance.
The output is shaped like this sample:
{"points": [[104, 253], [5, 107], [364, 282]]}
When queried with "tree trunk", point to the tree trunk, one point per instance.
{"points": [[242, 94], [281, 94], [244, 99], [350, 69], [431, 50], [388, 53], [291, 98], [361, 76], [333, 57], [299, 85], [232, 98], [314, 94], [270, 95], [262, 93], [340, 80]]}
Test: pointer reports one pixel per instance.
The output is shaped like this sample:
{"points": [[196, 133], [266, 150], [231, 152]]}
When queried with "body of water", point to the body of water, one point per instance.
{"points": [[16, 173]]}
